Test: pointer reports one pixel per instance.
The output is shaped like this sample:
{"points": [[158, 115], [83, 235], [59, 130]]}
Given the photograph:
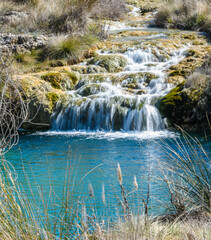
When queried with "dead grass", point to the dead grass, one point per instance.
{"points": [[136, 229], [188, 14], [67, 16], [57, 16], [110, 9], [64, 47], [149, 5]]}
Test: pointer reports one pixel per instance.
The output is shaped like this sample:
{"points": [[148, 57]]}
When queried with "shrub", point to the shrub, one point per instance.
{"points": [[13, 107], [59, 16], [207, 26], [185, 14], [149, 5], [110, 9]]}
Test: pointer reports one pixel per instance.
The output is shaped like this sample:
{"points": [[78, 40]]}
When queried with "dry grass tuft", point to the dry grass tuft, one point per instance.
{"points": [[136, 229], [110, 9], [188, 177], [70, 48]]}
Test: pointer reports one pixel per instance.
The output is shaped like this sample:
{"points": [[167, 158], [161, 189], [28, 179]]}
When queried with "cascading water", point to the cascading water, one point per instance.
{"points": [[127, 105]]}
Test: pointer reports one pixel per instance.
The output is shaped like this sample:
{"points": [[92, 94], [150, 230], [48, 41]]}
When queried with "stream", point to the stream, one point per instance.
{"points": [[111, 117]]}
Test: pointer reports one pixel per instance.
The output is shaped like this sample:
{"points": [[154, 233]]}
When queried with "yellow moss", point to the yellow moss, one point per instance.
{"points": [[52, 98], [53, 78]]}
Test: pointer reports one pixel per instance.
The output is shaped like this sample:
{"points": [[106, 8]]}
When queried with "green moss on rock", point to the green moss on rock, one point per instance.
{"points": [[52, 98], [173, 96], [90, 89], [74, 77], [53, 78], [177, 73], [185, 104], [58, 63], [189, 36], [192, 52], [112, 63], [62, 80], [141, 91]]}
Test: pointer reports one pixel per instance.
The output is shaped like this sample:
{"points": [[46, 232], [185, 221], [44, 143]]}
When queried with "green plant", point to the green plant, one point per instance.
{"points": [[53, 78]]}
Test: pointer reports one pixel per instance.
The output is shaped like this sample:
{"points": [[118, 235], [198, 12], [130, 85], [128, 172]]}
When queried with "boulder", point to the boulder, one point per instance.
{"points": [[44, 92], [111, 62], [189, 104]]}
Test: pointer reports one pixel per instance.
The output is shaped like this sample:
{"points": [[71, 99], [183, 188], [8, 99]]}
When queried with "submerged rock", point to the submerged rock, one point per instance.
{"points": [[139, 77], [95, 78]]}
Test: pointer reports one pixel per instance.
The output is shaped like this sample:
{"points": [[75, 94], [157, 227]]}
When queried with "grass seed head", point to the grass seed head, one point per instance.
{"points": [[135, 184], [119, 174]]}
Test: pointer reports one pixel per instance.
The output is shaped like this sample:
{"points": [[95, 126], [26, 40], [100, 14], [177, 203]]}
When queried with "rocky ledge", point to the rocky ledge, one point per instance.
{"points": [[188, 105], [11, 43]]}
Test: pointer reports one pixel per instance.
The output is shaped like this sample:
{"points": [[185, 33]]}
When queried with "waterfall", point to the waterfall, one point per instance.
{"points": [[127, 105]]}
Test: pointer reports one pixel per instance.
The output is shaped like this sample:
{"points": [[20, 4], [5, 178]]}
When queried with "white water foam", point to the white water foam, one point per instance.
{"points": [[128, 106], [111, 135], [109, 106], [112, 26]]}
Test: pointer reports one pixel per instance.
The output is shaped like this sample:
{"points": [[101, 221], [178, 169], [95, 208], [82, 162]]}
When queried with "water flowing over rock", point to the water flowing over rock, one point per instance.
{"points": [[120, 101], [123, 85]]}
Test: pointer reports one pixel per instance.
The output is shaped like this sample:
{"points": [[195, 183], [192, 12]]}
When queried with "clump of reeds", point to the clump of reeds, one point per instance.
{"points": [[188, 177], [70, 48], [137, 226], [17, 218], [134, 229]]}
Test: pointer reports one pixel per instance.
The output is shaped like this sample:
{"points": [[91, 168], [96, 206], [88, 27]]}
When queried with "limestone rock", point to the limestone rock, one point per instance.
{"points": [[111, 62]]}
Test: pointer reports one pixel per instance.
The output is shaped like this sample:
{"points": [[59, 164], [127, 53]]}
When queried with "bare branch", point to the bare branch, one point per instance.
{"points": [[13, 107]]}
